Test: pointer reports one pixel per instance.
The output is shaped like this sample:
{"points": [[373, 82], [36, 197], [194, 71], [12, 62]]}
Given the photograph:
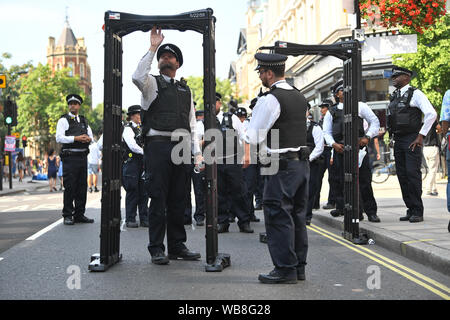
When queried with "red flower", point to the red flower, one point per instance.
{"points": [[412, 12], [435, 4], [409, 23]]}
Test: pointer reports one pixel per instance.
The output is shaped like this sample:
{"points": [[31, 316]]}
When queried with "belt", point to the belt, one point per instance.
{"points": [[75, 150], [290, 155], [161, 139]]}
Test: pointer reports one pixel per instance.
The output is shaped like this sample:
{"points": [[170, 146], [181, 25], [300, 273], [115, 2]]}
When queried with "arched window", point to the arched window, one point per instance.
{"points": [[70, 65]]}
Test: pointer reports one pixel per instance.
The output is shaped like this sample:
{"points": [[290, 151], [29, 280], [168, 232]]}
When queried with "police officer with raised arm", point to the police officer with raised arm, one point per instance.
{"points": [[405, 127], [315, 143], [333, 127], [167, 108], [75, 135], [282, 109], [133, 169]]}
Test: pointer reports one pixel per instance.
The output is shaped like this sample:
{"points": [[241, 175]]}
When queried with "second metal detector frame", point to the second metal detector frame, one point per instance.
{"points": [[117, 25], [350, 53]]}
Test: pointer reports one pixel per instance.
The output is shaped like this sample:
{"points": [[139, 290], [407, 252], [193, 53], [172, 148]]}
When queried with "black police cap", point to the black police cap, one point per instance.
{"points": [[326, 103], [267, 60], [133, 109], [173, 49], [338, 86], [241, 112], [199, 113], [396, 71], [218, 96], [75, 98]]}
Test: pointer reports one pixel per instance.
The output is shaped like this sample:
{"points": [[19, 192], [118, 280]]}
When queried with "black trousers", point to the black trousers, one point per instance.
{"points": [[230, 181], [251, 181], [260, 186], [199, 182], [326, 165], [367, 201], [285, 203], [136, 197], [167, 190], [188, 208], [407, 166], [313, 187], [75, 185]]}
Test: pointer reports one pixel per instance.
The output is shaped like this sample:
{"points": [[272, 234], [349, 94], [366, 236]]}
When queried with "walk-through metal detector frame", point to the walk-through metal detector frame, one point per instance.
{"points": [[117, 25], [350, 53]]}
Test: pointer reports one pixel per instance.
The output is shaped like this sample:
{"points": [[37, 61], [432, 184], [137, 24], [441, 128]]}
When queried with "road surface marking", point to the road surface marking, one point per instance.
{"points": [[413, 241], [419, 275], [1, 259], [46, 229], [353, 247]]}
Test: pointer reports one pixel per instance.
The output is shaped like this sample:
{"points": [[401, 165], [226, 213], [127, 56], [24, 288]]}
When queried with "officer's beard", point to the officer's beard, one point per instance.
{"points": [[166, 66]]}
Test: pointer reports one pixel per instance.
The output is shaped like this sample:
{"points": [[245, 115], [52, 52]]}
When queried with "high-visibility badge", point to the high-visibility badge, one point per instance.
{"points": [[130, 155]]}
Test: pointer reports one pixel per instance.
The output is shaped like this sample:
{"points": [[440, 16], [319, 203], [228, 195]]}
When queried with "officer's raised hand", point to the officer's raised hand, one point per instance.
{"points": [[417, 143], [156, 38], [338, 147]]}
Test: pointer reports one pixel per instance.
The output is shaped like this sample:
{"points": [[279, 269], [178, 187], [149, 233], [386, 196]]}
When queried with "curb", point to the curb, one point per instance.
{"points": [[423, 253], [14, 191]]}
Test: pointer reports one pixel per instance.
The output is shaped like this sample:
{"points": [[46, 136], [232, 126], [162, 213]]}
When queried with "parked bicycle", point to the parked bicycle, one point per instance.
{"points": [[382, 169]]}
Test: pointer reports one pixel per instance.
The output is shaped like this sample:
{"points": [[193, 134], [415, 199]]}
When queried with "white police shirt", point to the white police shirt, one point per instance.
{"points": [[317, 134], [146, 83]]}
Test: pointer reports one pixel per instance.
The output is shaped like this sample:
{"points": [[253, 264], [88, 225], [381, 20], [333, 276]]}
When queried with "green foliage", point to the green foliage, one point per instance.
{"points": [[223, 87], [431, 62], [95, 119], [42, 102]]}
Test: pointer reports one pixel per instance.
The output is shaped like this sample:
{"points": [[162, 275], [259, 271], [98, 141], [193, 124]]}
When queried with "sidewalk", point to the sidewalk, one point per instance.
{"points": [[23, 186], [427, 242]]}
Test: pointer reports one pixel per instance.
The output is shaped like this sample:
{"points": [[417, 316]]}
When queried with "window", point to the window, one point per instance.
{"points": [[81, 70], [70, 65], [376, 90]]}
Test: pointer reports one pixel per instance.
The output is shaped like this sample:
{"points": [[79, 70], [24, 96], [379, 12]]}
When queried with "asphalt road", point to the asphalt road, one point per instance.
{"points": [[55, 264]]}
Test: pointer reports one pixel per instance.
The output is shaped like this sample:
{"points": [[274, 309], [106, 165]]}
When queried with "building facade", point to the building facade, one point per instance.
{"points": [[70, 52]]}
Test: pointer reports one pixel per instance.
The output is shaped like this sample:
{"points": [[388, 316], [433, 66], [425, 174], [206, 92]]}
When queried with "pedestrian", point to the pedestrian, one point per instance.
{"points": [[133, 169], [285, 197], [52, 169], [315, 143], [60, 174], [93, 159], [74, 134], [168, 113], [407, 131], [445, 119], [231, 187], [431, 151], [20, 163], [333, 127]]}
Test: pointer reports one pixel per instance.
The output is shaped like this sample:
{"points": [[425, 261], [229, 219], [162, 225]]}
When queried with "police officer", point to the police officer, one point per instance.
{"points": [[167, 107], [133, 169], [315, 143], [333, 126], [75, 135], [199, 177], [283, 108], [230, 177], [406, 128]]}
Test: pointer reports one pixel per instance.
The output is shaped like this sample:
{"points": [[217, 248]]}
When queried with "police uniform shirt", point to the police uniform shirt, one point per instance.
{"points": [[63, 125], [420, 100], [146, 83], [317, 134], [128, 137], [364, 112], [264, 115]]}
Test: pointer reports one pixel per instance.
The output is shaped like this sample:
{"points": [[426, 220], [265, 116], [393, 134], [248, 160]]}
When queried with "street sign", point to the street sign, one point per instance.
{"points": [[16, 134], [10, 143], [2, 81]]}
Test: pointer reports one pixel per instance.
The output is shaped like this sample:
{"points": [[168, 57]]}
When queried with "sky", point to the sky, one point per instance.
{"points": [[27, 25]]}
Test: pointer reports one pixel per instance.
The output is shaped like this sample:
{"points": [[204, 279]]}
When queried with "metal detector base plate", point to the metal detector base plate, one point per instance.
{"points": [[223, 260], [97, 266], [362, 239], [263, 237]]}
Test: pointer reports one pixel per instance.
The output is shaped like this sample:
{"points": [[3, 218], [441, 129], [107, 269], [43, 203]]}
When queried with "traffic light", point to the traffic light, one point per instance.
{"points": [[24, 141], [7, 112], [17, 143], [2, 81], [14, 114]]}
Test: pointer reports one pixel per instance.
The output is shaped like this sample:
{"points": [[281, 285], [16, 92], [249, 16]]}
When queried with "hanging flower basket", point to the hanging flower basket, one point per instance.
{"points": [[417, 15]]}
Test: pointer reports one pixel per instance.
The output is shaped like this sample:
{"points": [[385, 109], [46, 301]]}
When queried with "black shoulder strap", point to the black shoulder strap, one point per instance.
{"points": [[410, 95]]}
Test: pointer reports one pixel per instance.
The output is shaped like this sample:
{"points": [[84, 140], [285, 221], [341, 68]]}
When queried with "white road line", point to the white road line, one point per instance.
{"points": [[46, 229], [1, 258]]}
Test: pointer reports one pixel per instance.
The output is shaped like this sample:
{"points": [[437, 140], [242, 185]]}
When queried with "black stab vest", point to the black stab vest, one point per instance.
{"points": [[170, 110], [402, 118], [126, 151], [75, 129], [292, 120], [309, 135], [338, 124], [224, 126]]}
